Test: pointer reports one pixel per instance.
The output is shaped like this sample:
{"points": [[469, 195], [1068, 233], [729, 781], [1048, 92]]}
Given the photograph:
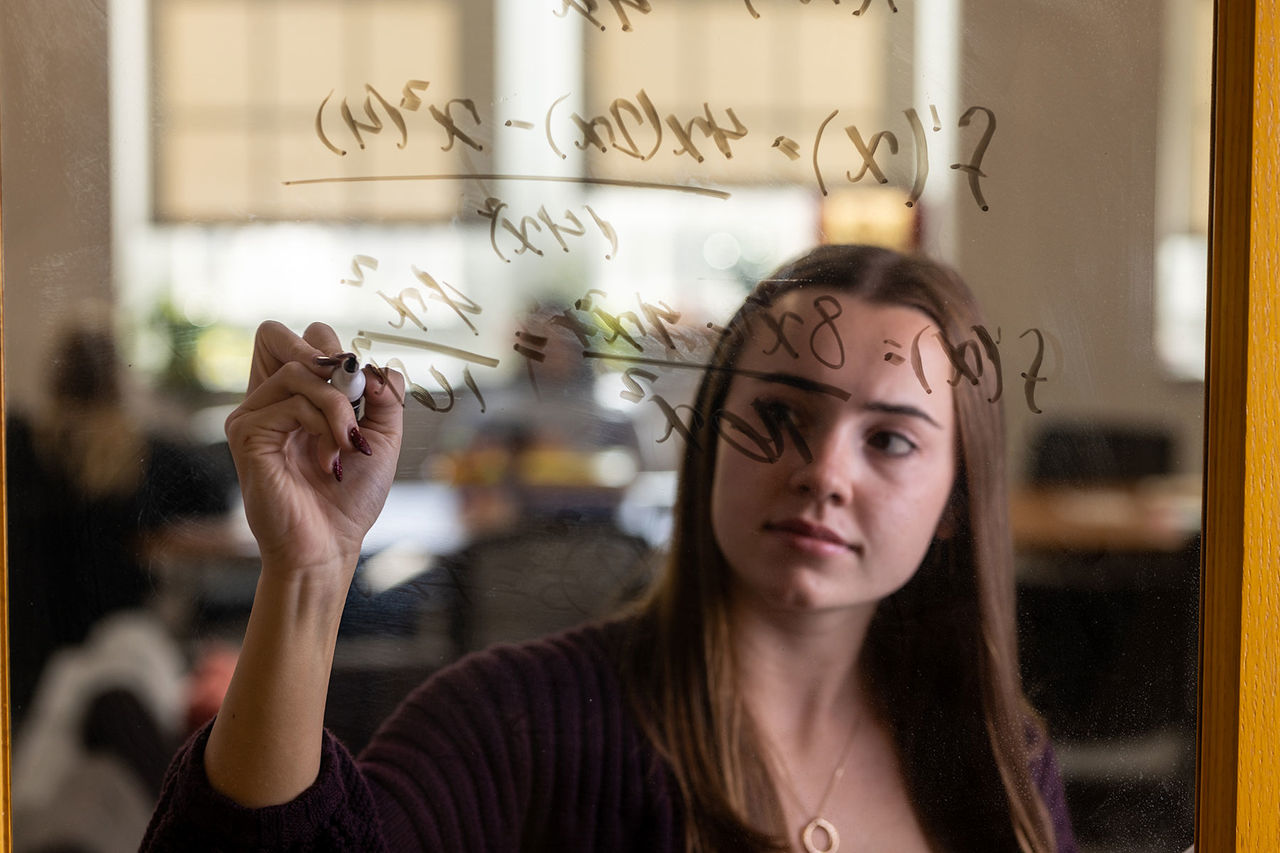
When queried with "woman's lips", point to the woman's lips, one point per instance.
{"points": [[807, 530]]}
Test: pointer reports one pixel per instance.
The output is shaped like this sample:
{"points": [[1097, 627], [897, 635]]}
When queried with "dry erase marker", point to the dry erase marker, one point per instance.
{"points": [[348, 378]]}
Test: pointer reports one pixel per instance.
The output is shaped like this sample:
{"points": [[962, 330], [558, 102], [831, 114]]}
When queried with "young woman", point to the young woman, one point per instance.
{"points": [[827, 662]]}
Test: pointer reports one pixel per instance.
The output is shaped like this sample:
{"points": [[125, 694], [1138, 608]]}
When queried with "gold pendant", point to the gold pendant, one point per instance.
{"points": [[833, 837]]}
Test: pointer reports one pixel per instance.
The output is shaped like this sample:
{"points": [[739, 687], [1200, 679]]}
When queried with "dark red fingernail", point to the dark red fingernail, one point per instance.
{"points": [[334, 360], [337, 469], [358, 442]]}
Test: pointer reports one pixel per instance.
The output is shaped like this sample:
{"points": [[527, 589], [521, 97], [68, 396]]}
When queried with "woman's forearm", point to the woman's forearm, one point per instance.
{"points": [[266, 741]]}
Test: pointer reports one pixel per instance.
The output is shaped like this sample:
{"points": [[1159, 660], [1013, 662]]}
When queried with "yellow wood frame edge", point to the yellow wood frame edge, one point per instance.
{"points": [[1238, 738], [5, 739], [1258, 773], [1238, 741]]}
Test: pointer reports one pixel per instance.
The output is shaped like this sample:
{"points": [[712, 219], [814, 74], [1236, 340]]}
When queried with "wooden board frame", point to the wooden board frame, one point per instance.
{"points": [[1238, 737], [6, 740]]}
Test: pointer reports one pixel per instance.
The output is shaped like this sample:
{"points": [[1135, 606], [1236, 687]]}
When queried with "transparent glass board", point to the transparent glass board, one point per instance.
{"points": [[542, 213]]}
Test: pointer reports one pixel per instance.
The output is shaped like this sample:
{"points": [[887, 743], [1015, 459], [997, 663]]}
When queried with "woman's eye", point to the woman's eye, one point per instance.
{"points": [[776, 412], [892, 443]]}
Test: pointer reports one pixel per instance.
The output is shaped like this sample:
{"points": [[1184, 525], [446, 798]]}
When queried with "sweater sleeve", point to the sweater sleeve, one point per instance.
{"points": [[477, 757], [450, 770], [527, 747], [524, 747], [336, 814]]}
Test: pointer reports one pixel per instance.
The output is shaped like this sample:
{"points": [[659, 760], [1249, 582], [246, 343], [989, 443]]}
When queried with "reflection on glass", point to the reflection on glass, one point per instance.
{"points": [[1051, 156]]}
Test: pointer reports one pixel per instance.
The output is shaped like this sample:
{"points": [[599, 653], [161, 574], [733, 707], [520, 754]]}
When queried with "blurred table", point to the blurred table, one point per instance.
{"points": [[1156, 515]]}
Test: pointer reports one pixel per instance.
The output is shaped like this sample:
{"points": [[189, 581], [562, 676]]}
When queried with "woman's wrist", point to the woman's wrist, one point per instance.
{"points": [[316, 594], [265, 745]]}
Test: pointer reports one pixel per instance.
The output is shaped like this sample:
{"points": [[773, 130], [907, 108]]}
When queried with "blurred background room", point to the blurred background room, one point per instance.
{"points": [[174, 173]]}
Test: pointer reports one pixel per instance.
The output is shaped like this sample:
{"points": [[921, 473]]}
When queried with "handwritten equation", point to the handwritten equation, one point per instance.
{"points": [[588, 9], [638, 129], [646, 340], [516, 234]]}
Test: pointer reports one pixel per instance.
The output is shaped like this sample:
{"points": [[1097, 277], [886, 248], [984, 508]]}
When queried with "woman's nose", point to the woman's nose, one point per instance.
{"points": [[830, 473]]}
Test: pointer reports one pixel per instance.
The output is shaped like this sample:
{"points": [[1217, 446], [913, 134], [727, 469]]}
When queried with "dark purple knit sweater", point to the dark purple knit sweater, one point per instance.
{"points": [[528, 747]]}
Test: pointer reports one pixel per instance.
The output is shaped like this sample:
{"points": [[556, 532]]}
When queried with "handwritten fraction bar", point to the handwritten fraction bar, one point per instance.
{"points": [[784, 378], [400, 340], [609, 182]]}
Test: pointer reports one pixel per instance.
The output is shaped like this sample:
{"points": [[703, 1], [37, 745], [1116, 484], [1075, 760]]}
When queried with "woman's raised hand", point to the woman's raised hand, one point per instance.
{"points": [[313, 479], [313, 483]]}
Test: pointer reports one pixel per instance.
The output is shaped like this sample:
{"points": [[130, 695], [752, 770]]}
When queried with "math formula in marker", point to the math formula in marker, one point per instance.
{"points": [[644, 341], [636, 128], [619, 12]]}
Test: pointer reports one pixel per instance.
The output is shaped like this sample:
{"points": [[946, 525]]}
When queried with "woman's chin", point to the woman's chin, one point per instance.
{"points": [[805, 593]]}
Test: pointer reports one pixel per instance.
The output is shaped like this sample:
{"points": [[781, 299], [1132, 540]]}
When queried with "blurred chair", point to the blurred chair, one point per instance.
{"points": [[1086, 453], [103, 724], [543, 577]]}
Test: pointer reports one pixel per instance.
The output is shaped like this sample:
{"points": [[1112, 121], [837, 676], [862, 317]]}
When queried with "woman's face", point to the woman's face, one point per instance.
{"points": [[848, 522]]}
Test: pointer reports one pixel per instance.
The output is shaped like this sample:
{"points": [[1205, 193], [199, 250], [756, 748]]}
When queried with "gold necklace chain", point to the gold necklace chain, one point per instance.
{"points": [[818, 822]]}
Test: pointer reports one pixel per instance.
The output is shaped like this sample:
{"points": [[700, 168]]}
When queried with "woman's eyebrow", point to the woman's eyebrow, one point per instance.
{"points": [[901, 409], [794, 381], [804, 384]]}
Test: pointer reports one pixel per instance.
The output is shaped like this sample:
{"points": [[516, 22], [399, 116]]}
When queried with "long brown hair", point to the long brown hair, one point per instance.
{"points": [[940, 653]]}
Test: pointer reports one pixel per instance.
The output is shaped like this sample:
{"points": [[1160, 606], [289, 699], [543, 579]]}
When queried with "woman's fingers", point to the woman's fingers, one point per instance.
{"points": [[286, 370], [328, 411], [275, 345], [282, 419], [322, 338]]}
